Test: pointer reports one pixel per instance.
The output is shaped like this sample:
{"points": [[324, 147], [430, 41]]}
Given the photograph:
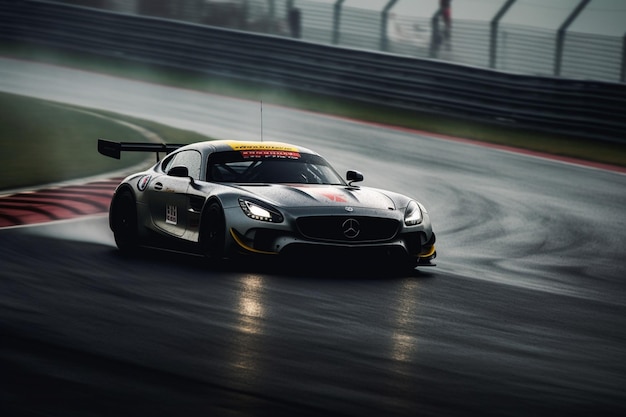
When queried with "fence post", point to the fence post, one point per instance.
{"points": [[623, 76], [493, 40], [245, 11], [337, 21], [384, 40], [560, 36], [435, 37]]}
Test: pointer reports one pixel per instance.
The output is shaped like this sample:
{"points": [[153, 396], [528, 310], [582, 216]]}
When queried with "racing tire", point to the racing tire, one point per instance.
{"points": [[213, 232], [124, 222]]}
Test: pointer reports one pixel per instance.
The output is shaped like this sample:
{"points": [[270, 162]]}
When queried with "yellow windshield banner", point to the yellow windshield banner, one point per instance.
{"points": [[261, 146], [265, 149]]}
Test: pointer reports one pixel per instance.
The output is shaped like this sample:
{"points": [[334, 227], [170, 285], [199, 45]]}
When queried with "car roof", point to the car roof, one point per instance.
{"points": [[234, 145]]}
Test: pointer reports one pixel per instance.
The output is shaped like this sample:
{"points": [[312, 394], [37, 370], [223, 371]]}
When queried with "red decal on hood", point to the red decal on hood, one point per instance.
{"points": [[337, 198]]}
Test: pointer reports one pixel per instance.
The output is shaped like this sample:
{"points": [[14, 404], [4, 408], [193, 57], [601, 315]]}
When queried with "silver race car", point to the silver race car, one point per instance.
{"points": [[226, 199]]}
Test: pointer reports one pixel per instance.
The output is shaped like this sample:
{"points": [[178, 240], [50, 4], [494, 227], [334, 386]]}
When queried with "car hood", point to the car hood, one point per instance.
{"points": [[306, 195]]}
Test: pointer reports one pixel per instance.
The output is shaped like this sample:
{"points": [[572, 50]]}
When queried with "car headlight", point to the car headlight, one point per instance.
{"points": [[258, 211], [413, 214]]}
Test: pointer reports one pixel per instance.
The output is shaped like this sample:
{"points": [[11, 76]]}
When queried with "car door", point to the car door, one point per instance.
{"points": [[167, 194]]}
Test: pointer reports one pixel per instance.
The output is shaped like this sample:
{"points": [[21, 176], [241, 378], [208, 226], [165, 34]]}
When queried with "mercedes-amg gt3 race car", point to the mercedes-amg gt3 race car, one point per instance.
{"points": [[225, 199]]}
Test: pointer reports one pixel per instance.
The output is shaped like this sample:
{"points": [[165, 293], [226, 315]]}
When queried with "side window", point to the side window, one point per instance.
{"points": [[190, 159], [166, 164]]}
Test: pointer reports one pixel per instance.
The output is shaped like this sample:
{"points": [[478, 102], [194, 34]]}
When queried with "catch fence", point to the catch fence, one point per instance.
{"points": [[488, 43]]}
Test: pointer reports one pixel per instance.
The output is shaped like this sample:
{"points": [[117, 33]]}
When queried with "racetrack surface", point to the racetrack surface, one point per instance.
{"points": [[525, 313]]}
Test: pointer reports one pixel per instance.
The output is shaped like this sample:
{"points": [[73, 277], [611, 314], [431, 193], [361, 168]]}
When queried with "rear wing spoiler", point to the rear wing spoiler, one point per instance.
{"points": [[115, 149]]}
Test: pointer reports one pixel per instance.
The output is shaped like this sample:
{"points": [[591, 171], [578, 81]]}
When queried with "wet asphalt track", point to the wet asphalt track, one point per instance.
{"points": [[525, 314]]}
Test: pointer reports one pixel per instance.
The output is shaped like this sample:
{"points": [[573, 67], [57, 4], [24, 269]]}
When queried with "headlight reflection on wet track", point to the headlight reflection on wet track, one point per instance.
{"points": [[251, 308], [404, 340], [250, 318]]}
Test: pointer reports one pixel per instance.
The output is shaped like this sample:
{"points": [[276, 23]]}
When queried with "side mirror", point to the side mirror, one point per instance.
{"points": [[354, 176], [178, 171]]}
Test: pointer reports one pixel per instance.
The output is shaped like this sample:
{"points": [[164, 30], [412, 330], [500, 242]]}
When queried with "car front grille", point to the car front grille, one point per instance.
{"points": [[360, 229]]}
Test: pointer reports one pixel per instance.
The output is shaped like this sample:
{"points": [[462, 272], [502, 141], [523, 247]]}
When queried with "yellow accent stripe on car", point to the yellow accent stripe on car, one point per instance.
{"points": [[238, 240], [429, 253]]}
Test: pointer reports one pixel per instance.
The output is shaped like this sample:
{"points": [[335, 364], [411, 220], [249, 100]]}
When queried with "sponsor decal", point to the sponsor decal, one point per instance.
{"points": [[171, 214], [265, 150], [270, 154], [142, 184]]}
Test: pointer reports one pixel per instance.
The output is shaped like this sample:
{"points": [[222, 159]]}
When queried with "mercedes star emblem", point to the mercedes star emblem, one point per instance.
{"points": [[351, 228]]}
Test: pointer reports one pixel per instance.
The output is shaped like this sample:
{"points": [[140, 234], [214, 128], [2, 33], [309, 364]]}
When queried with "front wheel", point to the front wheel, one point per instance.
{"points": [[124, 222], [212, 232]]}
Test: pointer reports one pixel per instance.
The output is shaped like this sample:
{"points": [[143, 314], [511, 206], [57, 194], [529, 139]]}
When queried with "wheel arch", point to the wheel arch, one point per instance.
{"points": [[206, 212], [207, 203], [121, 189]]}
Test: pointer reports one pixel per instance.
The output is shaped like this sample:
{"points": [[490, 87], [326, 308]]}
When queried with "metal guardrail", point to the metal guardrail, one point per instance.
{"points": [[580, 108]]}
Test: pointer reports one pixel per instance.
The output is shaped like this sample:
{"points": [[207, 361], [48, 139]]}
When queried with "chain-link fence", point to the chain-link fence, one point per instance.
{"points": [[417, 28]]}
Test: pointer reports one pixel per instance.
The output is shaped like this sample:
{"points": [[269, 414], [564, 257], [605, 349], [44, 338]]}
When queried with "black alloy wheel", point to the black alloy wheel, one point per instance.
{"points": [[124, 222], [213, 232]]}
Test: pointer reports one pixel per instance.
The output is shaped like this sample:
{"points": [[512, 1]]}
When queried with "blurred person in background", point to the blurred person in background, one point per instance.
{"points": [[294, 21], [445, 9]]}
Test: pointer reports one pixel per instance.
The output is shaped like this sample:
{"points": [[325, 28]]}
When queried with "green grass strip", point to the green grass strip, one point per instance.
{"points": [[44, 142]]}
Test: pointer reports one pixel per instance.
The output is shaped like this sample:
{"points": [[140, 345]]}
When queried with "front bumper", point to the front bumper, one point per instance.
{"points": [[408, 248]]}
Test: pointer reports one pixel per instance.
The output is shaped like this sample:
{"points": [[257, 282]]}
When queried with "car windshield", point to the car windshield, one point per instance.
{"points": [[240, 167]]}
